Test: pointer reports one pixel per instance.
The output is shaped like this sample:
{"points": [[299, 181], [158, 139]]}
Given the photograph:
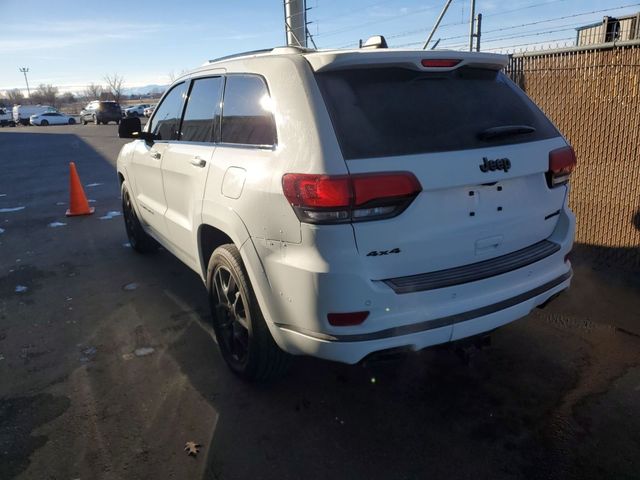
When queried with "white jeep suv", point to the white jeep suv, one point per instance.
{"points": [[341, 203]]}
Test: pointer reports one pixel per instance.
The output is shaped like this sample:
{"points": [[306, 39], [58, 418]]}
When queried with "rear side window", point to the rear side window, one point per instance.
{"points": [[247, 116], [395, 111], [165, 123], [200, 116]]}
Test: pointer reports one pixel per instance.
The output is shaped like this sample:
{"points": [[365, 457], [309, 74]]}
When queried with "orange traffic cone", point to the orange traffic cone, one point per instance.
{"points": [[78, 204]]}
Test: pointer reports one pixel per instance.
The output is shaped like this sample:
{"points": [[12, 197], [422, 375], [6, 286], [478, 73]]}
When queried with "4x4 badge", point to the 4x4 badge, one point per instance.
{"points": [[377, 253], [497, 164]]}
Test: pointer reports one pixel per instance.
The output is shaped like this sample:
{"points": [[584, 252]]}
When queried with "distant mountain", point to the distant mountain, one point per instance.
{"points": [[143, 90]]}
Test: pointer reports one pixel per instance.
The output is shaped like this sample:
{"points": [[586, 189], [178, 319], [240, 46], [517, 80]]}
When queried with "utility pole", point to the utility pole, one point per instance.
{"points": [[24, 70], [472, 17], [295, 22], [435, 27], [478, 31]]}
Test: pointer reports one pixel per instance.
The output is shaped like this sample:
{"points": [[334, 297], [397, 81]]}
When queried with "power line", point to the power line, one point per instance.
{"points": [[411, 32], [353, 10], [373, 22], [423, 30], [555, 19]]}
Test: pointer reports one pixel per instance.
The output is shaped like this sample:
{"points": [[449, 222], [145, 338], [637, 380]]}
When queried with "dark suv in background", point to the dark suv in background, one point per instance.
{"points": [[101, 112]]}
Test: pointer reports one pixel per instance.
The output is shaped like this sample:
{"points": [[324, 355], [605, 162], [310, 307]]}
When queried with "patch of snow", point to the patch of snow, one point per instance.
{"points": [[2, 230], [12, 209], [60, 204], [57, 224], [125, 245], [130, 286], [93, 185], [21, 289], [144, 351], [110, 215], [91, 200], [3, 194]]}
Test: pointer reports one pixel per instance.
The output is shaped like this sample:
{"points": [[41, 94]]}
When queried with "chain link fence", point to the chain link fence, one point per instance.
{"points": [[592, 94]]}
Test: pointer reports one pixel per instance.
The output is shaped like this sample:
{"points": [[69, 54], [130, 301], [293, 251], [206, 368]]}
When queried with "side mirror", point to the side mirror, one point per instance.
{"points": [[128, 127]]}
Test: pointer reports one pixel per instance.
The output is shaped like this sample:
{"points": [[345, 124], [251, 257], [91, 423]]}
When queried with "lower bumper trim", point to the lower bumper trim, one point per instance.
{"points": [[433, 323]]}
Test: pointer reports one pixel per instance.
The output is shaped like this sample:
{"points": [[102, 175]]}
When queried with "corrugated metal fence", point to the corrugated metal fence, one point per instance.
{"points": [[593, 95]]}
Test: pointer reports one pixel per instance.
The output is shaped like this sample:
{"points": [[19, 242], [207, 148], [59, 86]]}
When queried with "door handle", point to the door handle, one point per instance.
{"points": [[198, 162], [155, 154]]}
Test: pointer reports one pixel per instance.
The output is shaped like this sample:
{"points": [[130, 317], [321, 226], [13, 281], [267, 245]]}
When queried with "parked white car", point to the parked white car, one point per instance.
{"points": [[51, 118], [22, 113], [149, 110], [135, 110], [6, 118], [343, 203]]}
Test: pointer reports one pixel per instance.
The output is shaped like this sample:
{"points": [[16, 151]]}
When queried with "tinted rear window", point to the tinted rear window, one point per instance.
{"points": [[246, 114], [396, 111], [109, 106]]}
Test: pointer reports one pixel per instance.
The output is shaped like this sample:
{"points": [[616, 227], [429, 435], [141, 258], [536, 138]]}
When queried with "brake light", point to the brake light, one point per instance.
{"points": [[439, 63], [346, 319], [349, 198], [562, 161]]}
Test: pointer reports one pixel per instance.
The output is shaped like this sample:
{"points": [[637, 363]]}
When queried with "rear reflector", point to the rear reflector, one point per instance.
{"points": [[439, 63], [346, 319], [562, 161], [349, 198]]}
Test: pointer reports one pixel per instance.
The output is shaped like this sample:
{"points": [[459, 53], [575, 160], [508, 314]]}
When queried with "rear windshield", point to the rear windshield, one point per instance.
{"points": [[109, 106], [396, 111]]}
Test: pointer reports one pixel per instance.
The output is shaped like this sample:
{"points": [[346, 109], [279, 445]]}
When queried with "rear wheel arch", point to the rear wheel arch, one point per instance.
{"points": [[210, 238]]}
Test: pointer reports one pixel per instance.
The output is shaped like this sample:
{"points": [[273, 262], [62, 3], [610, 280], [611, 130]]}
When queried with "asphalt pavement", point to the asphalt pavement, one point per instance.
{"points": [[108, 364]]}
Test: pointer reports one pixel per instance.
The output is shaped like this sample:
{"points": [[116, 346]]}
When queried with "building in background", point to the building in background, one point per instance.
{"points": [[611, 29]]}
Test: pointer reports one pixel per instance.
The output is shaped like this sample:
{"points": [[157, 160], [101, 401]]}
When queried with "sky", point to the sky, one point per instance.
{"points": [[70, 44]]}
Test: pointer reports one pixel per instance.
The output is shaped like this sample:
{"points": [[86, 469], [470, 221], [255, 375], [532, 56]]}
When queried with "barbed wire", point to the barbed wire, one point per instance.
{"points": [[526, 34], [425, 29]]}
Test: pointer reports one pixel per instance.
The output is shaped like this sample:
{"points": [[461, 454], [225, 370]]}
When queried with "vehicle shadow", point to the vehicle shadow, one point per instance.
{"points": [[424, 412]]}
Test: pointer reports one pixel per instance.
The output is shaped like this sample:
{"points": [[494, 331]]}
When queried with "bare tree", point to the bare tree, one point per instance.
{"points": [[93, 91], [67, 97], [115, 84], [14, 96], [45, 94]]}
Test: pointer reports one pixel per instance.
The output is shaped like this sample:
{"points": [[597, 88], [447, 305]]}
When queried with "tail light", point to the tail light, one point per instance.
{"points": [[562, 161], [349, 198]]}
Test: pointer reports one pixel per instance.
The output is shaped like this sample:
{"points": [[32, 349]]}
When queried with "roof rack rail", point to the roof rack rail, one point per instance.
{"points": [[243, 54], [257, 52]]}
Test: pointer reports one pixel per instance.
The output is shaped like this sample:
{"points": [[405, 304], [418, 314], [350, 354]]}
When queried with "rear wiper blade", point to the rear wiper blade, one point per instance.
{"points": [[505, 131]]}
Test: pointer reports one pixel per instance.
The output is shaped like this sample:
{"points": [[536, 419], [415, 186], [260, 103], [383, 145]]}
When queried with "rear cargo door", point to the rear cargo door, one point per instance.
{"points": [[479, 147]]}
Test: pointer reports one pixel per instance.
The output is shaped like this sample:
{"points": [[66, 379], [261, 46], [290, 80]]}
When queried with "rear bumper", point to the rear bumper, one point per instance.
{"points": [[300, 286], [354, 347]]}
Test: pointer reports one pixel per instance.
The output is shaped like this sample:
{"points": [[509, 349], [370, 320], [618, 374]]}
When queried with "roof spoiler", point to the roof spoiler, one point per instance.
{"points": [[412, 59]]}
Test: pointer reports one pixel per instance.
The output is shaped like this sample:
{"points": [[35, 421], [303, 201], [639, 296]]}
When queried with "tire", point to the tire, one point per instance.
{"points": [[243, 337], [84, 122], [72, 121], [139, 240], [117, 122], [44, 123], [96, 121]]}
